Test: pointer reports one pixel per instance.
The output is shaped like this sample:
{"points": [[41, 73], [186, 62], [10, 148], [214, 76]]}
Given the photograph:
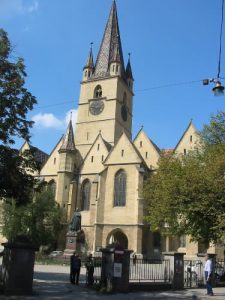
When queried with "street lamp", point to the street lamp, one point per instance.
{"points": [[218, 88]]}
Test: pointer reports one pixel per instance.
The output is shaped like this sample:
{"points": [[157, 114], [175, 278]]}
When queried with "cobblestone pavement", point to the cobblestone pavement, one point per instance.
{"points": [[52, 283]]}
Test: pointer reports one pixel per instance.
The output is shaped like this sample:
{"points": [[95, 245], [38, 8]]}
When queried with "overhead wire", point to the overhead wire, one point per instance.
{"points": [[220, 40]]}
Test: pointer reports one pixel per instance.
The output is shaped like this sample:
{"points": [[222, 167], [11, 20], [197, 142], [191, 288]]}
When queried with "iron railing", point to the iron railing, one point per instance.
{"points": [[148, 270]]}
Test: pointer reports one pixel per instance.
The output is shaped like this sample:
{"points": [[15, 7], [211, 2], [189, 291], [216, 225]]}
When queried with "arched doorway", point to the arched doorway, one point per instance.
{"points": [[117, 237]]}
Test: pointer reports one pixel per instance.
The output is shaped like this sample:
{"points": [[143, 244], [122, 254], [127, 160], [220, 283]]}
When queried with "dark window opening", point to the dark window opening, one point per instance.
{"points": [[120, 188]]}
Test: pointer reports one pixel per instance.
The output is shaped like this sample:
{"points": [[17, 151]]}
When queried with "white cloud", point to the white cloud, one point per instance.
{"points": [[10, 8], [49, 120]]}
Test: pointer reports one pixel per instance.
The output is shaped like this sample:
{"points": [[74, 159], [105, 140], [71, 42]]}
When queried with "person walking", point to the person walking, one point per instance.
{"points": [[90, 270], [208, 275], [75, 265]]}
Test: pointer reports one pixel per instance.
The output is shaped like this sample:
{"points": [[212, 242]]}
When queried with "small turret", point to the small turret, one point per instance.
{"points": [[115, 64], [129, 75], [88, 69]]}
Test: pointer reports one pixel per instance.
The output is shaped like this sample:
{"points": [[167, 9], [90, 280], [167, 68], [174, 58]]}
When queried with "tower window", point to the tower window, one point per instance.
{"points": [[92, 158], [140, 144], [89, 74], [86, 73], [120, 188], [54, 160], [85, 195], [117, 68], [191, 138], [102, 157], [185, 151], [98, 146], [98, 92], [146, 154], [113, 68], [122, 152]]}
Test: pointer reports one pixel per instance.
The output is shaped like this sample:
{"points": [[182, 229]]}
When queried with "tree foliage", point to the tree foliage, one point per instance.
{"points": [[15, 99], [39, 220], [187, 194], [15, 103]]}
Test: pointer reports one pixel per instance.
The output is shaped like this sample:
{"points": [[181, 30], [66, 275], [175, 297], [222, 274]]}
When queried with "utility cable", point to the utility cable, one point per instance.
{"points": [[221, 35]]}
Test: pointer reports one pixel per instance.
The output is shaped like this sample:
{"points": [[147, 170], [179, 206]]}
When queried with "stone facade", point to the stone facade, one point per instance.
{"points": [[100, 170]]}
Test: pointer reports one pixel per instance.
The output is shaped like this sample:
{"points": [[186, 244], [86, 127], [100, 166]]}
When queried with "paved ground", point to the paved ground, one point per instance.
{"points": [[52, 283]]}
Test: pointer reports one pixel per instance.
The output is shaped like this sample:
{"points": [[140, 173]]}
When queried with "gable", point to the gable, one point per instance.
{"points": [[189, 140], [93, 162], [52, 164], [147, 149], [124, 152]]}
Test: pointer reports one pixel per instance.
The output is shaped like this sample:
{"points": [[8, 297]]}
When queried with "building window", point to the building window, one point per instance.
{"points": [[98, 146], [146, 154], [191, 138], [185, 151], [157, 240], [92, 158], [98, 92], [85, 195], [182, 241], [122, 153], [140, 144], [102, 157], [54, 160], [120, 183], [85, 73], [52, 186]]}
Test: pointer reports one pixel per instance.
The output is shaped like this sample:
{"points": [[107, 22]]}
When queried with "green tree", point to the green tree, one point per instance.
{"points": [[39, 220], [15, 102], [187, 194]]}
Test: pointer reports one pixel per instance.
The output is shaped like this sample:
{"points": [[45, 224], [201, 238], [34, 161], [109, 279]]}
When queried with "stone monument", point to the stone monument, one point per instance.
{"points": [[75, 235]]}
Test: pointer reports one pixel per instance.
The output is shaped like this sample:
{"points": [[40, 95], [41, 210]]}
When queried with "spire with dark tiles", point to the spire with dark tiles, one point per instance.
{"points": [[68, 139], [129, 74], [111, 47], [90, 61]]}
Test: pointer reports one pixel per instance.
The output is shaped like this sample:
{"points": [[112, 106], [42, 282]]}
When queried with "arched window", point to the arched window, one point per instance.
{"points": [[85, 195], [98, 92], [125, 98], [120, 188], [52, 186]]}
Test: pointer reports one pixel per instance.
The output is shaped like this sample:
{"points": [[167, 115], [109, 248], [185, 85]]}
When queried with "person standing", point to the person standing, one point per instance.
{"points": [[75, 265], [208, 275], [90, 270]]}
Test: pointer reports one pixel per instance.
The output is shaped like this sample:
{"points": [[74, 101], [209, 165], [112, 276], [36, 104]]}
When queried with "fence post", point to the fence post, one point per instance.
{"points": [[176, 268]]}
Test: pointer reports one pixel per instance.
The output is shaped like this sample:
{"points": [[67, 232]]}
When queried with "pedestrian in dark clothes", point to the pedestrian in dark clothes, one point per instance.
{"points": [[75, 265]]}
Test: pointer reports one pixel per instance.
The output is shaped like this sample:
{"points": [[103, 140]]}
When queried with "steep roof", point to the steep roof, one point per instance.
{"points": [[90, 60], [68, 139], [111, 48]]}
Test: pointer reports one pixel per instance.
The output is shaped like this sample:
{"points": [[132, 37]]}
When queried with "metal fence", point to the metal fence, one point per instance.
{"points": [[193, 273], [144, 270]]}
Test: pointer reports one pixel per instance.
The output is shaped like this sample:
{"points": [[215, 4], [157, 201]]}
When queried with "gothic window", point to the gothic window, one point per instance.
{"points": [[52, 186], [182, 241], [85, 195], [120, 188], [98, 92], [156, 240], [191, 138]]}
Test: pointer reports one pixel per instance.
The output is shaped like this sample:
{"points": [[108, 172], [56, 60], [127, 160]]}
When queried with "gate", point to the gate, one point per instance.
{"points": [[193, 273], [149, 271]]}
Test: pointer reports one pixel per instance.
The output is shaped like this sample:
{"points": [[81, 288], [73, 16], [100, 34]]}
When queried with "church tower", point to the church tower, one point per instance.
{"points": [[106, 93]]}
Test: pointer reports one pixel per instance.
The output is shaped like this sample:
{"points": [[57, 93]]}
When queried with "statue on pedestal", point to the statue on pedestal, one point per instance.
{"points": [[75, 224]]}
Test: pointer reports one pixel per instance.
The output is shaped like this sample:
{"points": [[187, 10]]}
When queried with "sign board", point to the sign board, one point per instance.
{"points": [[117, 271]]}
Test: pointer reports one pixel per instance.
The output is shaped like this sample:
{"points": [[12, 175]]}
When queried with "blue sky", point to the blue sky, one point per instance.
{"points": [[171, 42]]}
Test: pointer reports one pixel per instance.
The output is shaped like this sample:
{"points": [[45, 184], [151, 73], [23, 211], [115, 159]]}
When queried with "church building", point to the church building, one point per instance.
{"points": [[99, 169]]}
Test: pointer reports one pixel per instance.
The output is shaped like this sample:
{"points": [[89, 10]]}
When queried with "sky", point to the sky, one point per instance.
{"points": [[174, 44]]}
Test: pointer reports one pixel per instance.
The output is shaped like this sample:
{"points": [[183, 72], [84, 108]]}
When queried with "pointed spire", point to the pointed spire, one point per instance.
{"points": [[111, 47], [68, 140], [90, 60], [129, 74]]}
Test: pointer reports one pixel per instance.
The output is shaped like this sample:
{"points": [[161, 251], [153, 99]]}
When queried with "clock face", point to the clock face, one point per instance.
{"points": [[96, 107], [124, 113]]}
